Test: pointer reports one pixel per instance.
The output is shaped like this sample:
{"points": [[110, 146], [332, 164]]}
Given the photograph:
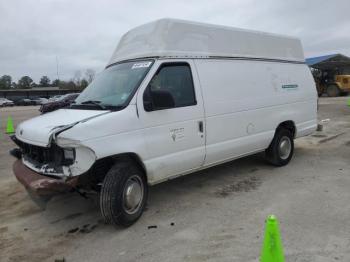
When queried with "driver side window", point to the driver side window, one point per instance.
{"points": [[175, 79]]}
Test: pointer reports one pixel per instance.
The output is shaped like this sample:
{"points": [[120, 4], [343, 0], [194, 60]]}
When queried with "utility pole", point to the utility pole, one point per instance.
{"points": [[58, 77]]}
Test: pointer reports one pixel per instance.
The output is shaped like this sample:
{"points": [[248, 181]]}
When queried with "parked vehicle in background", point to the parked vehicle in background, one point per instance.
{"points": [[333, 86], [331, 73], [25, 102], [55, 98], [5, 102], [176, 97], [61, 102], [40, 100]]}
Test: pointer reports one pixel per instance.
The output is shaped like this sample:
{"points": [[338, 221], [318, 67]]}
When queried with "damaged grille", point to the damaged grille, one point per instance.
{"points": [[41, 155]]}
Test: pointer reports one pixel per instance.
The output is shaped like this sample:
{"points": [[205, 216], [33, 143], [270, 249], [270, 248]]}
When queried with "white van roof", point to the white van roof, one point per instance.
{"points": [[179, 38]]}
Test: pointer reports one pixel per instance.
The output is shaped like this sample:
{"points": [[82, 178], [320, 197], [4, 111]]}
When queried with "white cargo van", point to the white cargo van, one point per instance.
{"points": [[176, 97]]}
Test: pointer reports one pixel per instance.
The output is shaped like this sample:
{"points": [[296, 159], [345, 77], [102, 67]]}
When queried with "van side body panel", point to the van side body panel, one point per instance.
{"points": [[246, 100]]}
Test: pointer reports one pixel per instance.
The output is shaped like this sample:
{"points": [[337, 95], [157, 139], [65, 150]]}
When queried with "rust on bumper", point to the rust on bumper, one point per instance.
{"points": [[39, 184]]}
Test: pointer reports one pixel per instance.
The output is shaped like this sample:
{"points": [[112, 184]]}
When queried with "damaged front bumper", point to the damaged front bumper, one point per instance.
{"points": [[52, 170], [41, 185]]}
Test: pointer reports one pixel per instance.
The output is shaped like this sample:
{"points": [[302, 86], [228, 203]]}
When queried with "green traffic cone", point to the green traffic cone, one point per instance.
{"points": [[272, 250], [9, 128]]}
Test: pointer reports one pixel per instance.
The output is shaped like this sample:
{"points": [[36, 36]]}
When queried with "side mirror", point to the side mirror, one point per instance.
{"points": [[147, 100], [157, 100]]}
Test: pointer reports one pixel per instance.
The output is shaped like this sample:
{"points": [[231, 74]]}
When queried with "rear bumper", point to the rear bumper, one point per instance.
{"points": [[41, 185]]}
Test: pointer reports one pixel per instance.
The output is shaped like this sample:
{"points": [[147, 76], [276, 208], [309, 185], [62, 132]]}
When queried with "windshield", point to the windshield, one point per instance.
{"points": [[115, 86]]}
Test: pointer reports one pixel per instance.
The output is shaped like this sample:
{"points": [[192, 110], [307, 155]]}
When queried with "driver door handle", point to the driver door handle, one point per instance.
{"points": [[200, 126]]}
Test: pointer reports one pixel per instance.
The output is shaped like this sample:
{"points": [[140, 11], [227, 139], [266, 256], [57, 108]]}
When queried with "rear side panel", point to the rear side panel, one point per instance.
{"points": [[246, 100]]}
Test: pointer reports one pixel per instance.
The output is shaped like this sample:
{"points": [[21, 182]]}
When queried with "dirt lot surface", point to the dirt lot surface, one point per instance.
{"points": [[213, 215]]}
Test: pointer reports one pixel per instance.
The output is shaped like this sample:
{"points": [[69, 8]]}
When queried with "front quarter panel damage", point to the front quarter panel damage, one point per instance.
{"points": [[85, 158]]}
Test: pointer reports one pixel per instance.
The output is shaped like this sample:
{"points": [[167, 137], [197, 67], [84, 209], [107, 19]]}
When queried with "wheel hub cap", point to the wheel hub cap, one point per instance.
{"points": [[285, 147], [133, 194]]}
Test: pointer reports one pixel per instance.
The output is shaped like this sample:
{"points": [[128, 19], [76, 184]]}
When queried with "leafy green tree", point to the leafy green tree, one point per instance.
{"points": [[67, 85], [55, 82], [5, 82], [62, 84], [71, 85], [25, 82], [83, 84], [44, 81]]}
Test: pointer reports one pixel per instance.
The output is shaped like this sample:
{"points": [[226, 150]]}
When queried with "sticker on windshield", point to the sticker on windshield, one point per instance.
{"points": [[141, 65]]}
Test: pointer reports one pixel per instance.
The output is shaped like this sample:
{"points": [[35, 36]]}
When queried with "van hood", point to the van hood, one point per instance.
{"points": [[38, 130]]}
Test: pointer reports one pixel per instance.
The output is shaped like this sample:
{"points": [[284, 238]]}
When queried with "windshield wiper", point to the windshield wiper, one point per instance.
{"points": [[93, 102], [98, 104], [116, 108]]}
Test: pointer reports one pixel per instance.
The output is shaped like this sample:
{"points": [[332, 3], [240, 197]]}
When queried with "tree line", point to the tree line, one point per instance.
{"points": [[78, 82]]}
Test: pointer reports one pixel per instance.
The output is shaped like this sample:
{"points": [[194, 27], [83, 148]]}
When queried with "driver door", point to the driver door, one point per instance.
{"points": [[174, 134]]}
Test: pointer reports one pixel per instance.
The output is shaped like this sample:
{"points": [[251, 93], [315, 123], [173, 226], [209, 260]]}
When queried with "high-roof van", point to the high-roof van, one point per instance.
{"points": [[175, 97]]}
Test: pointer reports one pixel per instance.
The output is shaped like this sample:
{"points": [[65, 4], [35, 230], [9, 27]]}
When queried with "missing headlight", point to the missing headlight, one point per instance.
{"points": [[69, 156]]}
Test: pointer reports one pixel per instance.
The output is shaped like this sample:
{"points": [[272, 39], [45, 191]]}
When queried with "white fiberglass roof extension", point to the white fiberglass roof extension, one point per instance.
{"points": [[178, 38]]}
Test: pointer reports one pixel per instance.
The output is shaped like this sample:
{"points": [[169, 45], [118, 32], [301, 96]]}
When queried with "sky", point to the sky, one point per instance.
{"points": [[82, 34]]}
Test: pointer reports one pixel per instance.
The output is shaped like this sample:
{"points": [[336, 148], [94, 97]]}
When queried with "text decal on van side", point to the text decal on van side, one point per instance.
{"points": [[141, 65], [177, 134], [289, 86]]}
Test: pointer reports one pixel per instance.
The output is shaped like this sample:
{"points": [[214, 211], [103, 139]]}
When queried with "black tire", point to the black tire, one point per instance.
{"points": [[333, 90], [113, 197], [274, 154]]}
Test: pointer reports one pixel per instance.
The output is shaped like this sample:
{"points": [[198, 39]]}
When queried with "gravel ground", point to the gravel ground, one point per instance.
{"points": [[213, 215]]}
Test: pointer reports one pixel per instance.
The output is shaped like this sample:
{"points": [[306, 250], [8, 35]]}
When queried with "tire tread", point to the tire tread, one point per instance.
{"points": [[271, 152], [111, 193]]}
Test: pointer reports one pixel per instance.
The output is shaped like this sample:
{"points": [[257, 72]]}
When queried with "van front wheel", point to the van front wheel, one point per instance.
{"points": [[281, 148], [123, 194]]}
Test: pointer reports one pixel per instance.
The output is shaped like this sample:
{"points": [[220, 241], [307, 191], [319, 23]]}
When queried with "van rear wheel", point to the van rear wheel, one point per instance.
{"points": [[281, 149], [123, 194]]}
